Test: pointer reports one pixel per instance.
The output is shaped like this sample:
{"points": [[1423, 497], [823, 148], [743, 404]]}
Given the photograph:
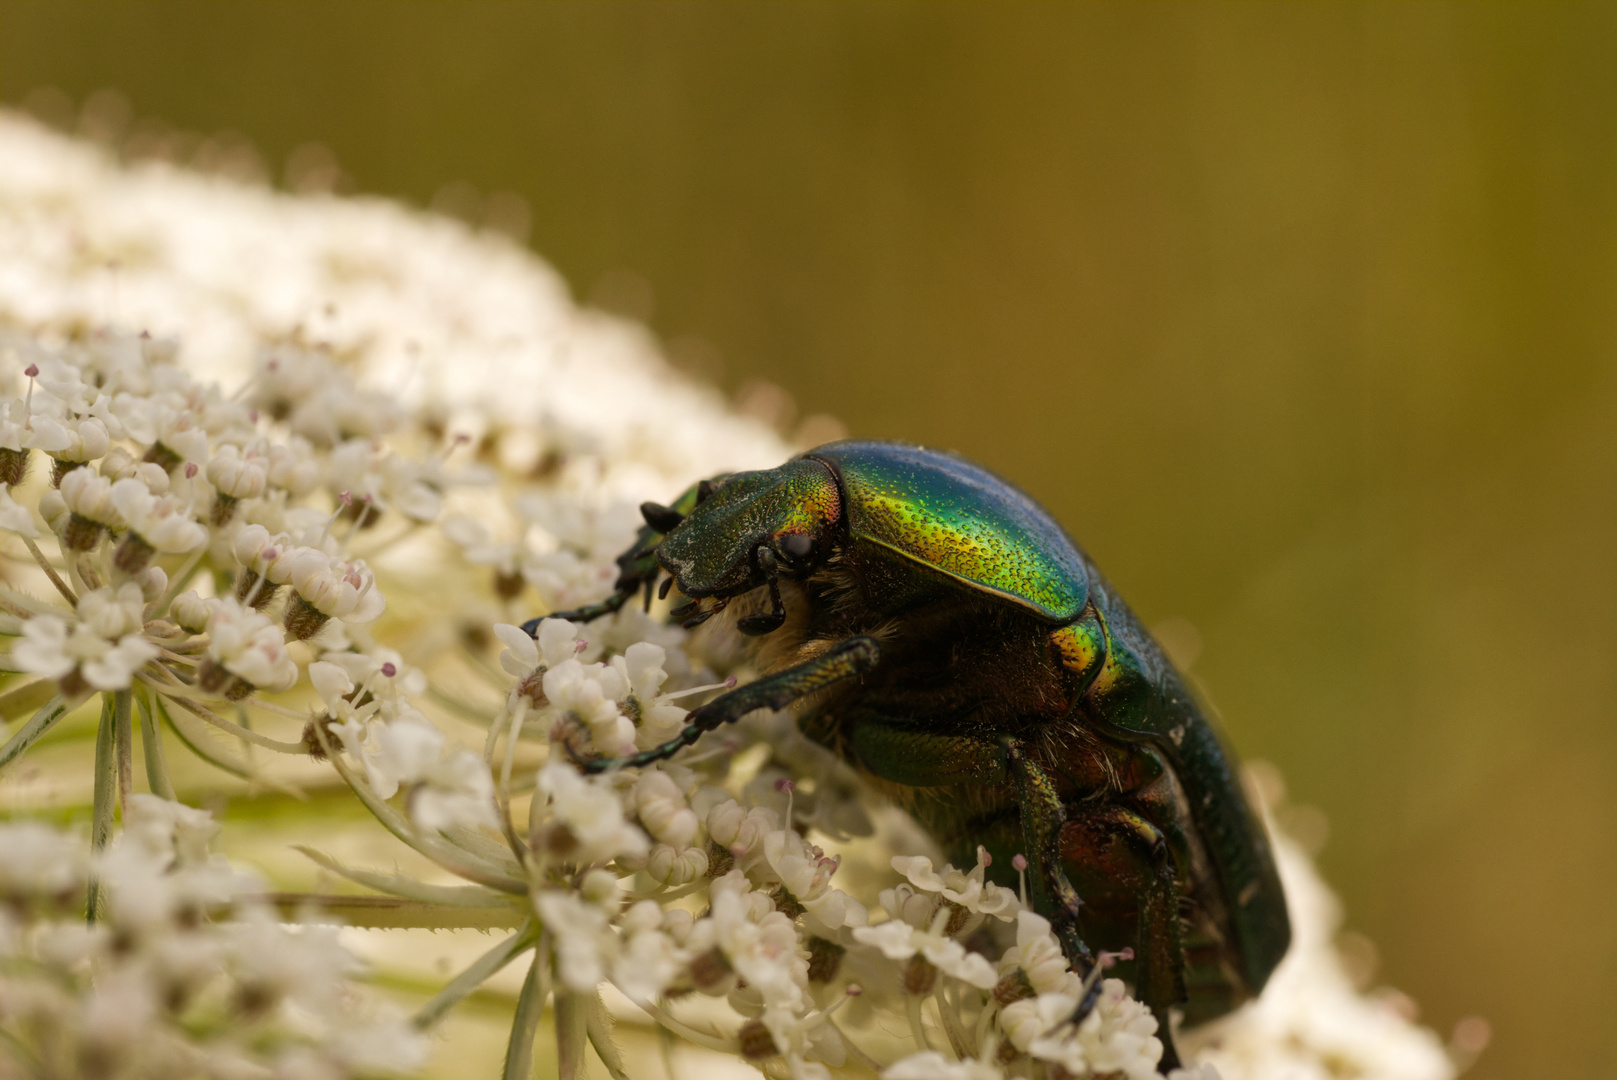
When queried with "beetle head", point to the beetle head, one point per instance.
{"points": [[753, 528]]}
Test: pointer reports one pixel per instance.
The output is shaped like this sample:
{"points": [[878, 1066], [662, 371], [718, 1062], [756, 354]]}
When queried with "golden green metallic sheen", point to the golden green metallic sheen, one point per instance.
{"points": [[949, 515]]}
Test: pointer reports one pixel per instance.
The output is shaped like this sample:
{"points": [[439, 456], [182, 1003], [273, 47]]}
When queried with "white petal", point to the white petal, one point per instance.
{"points": [[557, 641], [15, 517], [918, 868], [895, 939], [521, 648], [330, 682]]}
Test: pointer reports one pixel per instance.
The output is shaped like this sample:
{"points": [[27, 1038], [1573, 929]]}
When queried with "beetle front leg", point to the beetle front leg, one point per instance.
{"points": [[637, 567], [846, 660], [637, 571]]}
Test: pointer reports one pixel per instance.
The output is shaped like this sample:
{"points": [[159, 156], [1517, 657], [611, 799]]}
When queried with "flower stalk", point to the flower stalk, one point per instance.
{"points": [[105, 799]]}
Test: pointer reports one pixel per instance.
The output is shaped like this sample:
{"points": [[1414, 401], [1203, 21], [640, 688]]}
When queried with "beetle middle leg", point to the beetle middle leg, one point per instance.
{"points": [[900, 752], [1043, 815]]}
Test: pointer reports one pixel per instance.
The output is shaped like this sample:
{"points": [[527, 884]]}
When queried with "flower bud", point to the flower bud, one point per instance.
{"points": [[153, 582], [237, 476], [89, 496], [292, 469], [676, 866], [89, 440], [190, 611], [663, 810], [599, 886]]}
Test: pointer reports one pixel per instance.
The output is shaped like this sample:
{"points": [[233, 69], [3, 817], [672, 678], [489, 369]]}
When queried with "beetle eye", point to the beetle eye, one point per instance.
{"points": [[796, 546]]}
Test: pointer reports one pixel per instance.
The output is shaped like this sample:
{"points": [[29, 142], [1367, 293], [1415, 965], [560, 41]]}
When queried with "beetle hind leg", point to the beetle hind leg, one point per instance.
{"points": [[1120, 853], [1113, 851]]}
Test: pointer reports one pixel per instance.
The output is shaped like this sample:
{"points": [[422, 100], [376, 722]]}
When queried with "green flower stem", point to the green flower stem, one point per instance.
{"points": [[26, 698], [912, 1011], [490, 851], [207, 715], [151, 748], [456, 861], [123, 740], [600, 1030], [572, 1035], [218, 761], [29, 733], [411, 889], [474, 976], [959, 1041], [106, 788], [854, 1049], [50, 571], [392, 912], [524, 1025], [682, 1029], [181, 579]]}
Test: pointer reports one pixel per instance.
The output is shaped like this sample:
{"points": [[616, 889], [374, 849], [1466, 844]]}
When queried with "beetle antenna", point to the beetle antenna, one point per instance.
{"points": [[668, 583]]}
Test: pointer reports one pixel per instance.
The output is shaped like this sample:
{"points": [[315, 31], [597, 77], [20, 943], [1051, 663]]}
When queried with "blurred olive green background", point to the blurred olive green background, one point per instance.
{"points": [[1303, 318]]}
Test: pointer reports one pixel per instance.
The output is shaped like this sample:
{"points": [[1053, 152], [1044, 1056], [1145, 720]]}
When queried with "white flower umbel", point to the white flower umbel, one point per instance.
{"points": [[280, 479], [186, 977], [99, 647], [246, 651], [587, 823], [934, 950], [932, 1065]]}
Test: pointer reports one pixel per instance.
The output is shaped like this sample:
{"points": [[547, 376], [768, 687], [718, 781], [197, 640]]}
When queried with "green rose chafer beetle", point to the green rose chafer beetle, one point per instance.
{"points": [[956, 646]]}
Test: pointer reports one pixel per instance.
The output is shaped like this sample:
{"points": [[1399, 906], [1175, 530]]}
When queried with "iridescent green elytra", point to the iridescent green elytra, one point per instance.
{"points": [[968, 657], [947, 515]]}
